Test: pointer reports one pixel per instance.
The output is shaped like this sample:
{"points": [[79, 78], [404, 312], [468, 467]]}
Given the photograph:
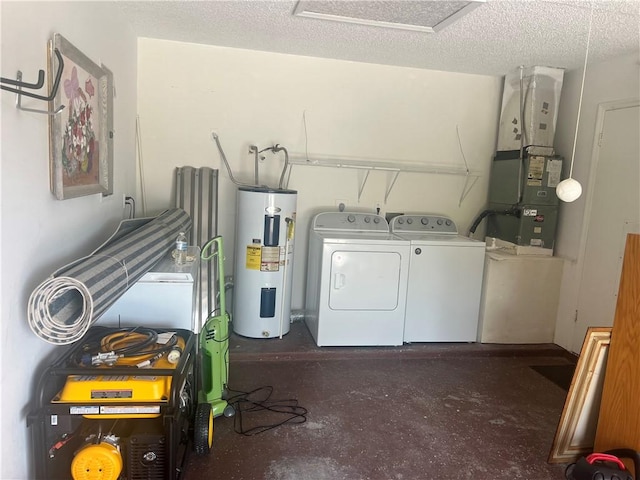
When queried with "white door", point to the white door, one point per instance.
{"points": [[364, 280], [615, 211]]}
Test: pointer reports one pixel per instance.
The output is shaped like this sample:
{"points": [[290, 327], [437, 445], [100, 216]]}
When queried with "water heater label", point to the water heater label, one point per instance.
{"points": [[270, 259], [254, 255]]}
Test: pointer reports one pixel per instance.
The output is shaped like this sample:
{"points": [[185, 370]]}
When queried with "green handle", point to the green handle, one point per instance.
{"points": [[216, 252]]}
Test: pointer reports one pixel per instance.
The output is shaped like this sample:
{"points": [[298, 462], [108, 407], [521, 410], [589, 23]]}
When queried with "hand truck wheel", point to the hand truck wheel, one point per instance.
{"points": [[203, 429]]}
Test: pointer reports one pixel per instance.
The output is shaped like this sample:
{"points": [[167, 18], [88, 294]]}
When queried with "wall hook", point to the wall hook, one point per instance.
{"points": [[33, 110], [20, 84]]}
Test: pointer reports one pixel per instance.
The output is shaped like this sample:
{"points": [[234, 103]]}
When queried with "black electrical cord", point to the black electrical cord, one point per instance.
{"points": [[258, 400], [144, 338]]}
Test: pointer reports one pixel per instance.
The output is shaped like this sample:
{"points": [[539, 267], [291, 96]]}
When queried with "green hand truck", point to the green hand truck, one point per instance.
{"points": [[214, 359]]}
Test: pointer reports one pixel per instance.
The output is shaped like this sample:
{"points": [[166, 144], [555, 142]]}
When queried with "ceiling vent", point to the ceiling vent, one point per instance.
{"points": [[414, 15]]}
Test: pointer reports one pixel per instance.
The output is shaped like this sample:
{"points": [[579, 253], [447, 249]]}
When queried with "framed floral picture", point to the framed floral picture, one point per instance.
{"points": [[81, 135]]}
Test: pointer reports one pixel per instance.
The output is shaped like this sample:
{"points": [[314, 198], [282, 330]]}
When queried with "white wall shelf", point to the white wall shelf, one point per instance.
{"points": [[392, 167]]}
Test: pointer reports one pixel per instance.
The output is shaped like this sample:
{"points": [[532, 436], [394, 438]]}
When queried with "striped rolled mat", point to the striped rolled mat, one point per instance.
{"points": [[63, 307]]}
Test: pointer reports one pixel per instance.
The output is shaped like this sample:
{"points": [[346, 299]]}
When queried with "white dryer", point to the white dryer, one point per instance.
{"points": [[356, 281], [445, 279]]}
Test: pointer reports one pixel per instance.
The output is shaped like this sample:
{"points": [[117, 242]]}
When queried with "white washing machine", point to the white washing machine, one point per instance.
{"points": [[356, 281], [445, 279]]}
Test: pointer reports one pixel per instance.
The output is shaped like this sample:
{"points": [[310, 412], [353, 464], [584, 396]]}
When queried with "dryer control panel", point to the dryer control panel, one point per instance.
{"points": [[423, 223], [350, 221]]}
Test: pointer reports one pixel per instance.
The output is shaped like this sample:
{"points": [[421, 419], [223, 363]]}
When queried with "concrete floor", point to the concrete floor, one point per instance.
{"points": [[422, 411]]}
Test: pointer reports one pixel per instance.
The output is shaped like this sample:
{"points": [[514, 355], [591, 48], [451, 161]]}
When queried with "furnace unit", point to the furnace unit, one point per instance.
{"points": [[523, 204]]}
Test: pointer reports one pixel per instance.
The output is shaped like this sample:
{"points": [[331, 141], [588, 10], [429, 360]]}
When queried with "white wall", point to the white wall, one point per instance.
{"points": [[616, 79], [186, 91], [39, 233]]}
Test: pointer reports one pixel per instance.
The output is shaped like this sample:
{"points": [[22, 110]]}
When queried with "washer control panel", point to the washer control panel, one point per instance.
{"points": [[423, 223], [362, 222]]}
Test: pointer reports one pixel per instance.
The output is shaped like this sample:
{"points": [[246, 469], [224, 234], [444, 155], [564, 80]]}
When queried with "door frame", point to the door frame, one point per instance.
{"points": [[603, 108]]}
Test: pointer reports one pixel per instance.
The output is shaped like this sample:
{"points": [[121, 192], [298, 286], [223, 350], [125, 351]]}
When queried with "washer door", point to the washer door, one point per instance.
{"points": [[362, 280], [443, 295]]}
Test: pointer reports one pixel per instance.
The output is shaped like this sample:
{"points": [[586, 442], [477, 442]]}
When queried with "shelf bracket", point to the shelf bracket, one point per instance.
{"points": [[362, 183], [467, 187], [391, 184]]}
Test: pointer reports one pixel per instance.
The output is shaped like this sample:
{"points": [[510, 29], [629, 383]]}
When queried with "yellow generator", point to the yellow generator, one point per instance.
{"points": [[119, 405]]}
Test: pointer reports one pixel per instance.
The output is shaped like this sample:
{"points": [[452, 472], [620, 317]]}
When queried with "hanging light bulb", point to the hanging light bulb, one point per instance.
{"points": [[569, 190]]}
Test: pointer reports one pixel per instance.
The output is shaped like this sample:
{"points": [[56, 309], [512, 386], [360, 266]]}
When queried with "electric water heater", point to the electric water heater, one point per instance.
{"points": [[263, 271]]}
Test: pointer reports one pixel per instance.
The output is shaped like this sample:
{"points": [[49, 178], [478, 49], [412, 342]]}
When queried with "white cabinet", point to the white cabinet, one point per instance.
{"points": [[520, 295], [164, 297]]}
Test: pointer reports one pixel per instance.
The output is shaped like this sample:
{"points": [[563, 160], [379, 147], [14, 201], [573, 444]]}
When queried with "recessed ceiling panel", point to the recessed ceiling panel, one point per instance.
{"points": [[417, 15]]}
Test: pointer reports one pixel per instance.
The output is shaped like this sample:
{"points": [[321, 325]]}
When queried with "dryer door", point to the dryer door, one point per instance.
{"points": [[364, 280]]}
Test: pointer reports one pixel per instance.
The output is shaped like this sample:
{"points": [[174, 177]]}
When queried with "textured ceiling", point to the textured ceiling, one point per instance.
{"points": [[492, 39]]}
